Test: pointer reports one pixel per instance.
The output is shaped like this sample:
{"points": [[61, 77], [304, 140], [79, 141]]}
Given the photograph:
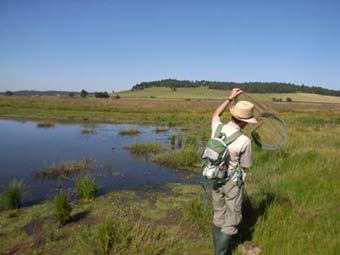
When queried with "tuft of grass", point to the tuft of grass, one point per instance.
{"points": [[112, 233], [12, 195], [184, 159], [146, 148], [62, 207], [197, 215], [129, 132], [89, 130], [160, 130], [65, 168], [119, 236], [86, 187], [45, 125]]}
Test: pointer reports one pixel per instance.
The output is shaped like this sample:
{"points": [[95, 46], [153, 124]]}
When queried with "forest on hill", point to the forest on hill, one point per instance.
{"points": [[252, 87]]}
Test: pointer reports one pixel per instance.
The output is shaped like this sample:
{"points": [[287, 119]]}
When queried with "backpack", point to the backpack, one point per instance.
{"points": [[215, 157]]}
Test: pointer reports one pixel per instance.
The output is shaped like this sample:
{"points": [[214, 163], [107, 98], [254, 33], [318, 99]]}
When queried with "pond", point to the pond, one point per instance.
{"points": [[25, 148]]}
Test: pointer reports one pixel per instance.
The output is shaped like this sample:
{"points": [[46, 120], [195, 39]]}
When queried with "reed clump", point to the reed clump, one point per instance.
{"points": [[12, 195], [62, 207], [89, 131], [183, 159], [65, 168], [129, 132], [160, 130], [45, 125], [146, 148], [86, 187]]}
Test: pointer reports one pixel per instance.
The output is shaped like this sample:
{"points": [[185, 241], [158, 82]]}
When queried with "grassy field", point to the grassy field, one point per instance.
{"points": [[205, 93], [291, 203]]}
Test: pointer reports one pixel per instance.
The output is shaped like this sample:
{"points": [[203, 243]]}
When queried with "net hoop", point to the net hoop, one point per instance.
{"points": [[283, 138]]}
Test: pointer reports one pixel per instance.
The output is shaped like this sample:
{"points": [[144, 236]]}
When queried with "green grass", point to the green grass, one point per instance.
{"points": [[11, 197], [205, 93], [146, 148], [86, 187], [183, 159], [129, 132], [62, 207], [65, 169]]}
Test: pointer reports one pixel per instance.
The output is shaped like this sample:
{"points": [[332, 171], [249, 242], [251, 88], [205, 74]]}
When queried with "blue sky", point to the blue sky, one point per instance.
{"points": [[112, 45]]}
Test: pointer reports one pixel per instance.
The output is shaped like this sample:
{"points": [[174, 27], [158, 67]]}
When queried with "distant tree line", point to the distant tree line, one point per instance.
{"points": [[253, 87]]}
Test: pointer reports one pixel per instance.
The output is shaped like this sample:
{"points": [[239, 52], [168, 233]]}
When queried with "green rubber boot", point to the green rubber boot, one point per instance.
{"points": [[216, 232], [222, 244]]}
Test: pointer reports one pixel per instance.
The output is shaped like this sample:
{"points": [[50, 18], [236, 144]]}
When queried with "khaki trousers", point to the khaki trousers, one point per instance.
{"points": [[227, 205]]}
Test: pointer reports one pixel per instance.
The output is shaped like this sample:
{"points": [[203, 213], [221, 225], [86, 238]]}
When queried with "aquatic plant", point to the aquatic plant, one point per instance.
{"points": [[65, 168], [12, 195], [129, 132], [62, 207], [160, 130], [145, 148], [173, 140], [86, 187], [184, 159], [89, 130], [45, 125]]}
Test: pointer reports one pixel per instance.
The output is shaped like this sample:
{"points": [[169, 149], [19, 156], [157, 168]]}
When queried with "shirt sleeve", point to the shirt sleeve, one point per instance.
{"points": [[246, 157], [214, 123]]}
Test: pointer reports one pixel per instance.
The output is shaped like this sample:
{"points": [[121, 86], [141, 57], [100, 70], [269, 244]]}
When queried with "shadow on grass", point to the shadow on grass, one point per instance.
{"points": [[251, 213], [79, 216]]}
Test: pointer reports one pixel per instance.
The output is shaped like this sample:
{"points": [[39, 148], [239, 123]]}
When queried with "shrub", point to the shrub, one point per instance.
{"points": [[9, 93], [62, 207], [101, 94], [71, 94], [84, 93], [86, 187], [12, 195], [289, 99]]}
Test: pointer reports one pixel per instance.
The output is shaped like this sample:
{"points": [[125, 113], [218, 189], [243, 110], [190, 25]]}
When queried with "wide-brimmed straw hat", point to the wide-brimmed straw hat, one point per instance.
{"points": [[243, 111]]}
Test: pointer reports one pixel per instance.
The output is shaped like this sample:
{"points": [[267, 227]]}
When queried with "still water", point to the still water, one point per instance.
{"points": [[26, 148]]}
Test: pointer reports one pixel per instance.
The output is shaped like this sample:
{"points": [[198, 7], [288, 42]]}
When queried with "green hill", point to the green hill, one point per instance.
{"points": [[204, 92]]}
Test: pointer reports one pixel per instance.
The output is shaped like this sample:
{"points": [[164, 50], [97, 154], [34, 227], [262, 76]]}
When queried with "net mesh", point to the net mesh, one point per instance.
{"points": [[270, 132]]}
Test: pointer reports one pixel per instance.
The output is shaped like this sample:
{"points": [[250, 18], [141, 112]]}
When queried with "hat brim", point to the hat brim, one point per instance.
{"points": [[251, 120]]}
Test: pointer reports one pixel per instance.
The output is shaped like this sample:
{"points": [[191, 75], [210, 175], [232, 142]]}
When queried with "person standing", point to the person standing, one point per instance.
{"points": [[227, 194]]}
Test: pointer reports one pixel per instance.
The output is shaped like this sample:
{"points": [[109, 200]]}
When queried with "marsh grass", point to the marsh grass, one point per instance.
{"points": [[12, 195], [62, 207], [183, 159], [86, 187], [146, 149], [120, 236], [89, 131], [198, 215], [129, 132], [161, 130], [65, 169], [45, 125]]}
